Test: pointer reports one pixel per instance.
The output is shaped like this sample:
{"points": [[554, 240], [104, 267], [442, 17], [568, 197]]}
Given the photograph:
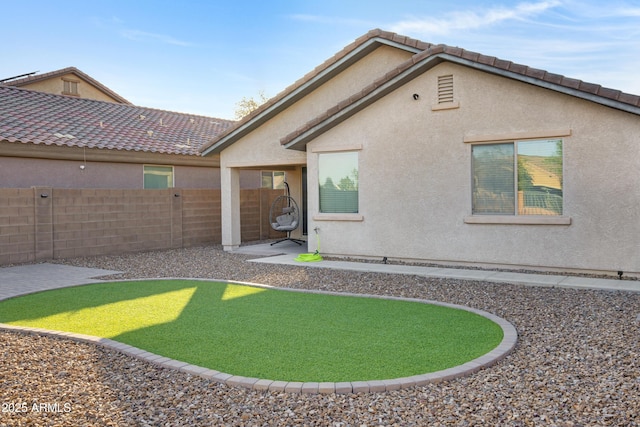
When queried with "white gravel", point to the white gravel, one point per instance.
{"points": [[577, 362]]}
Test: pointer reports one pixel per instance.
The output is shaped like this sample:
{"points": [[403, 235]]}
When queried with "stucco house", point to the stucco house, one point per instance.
{"points": [[72, 142], [420, 152], [117, 143], [68, 81]]}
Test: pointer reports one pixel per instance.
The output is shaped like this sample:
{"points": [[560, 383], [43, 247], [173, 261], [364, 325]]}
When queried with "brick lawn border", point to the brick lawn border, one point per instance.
{"points": [[508, 343]]}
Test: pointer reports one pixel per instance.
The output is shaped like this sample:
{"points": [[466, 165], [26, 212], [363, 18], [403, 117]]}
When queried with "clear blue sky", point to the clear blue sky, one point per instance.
{"points": [[202, 57]]}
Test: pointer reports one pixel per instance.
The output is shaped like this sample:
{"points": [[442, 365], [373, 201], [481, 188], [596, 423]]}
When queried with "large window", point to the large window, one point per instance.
{"points": [[518, 178], [156, 177], [338, 179]]}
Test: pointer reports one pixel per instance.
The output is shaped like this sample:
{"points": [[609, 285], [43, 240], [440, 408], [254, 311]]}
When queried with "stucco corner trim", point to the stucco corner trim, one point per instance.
{"points": [[445, 106], [518, 219], [338, 217]]}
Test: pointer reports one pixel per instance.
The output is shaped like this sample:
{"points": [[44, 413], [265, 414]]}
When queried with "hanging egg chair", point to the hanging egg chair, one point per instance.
{"points": [[284, 216]]}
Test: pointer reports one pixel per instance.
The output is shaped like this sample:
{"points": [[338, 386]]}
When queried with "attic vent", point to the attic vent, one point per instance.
{"points": [[445, 89]]}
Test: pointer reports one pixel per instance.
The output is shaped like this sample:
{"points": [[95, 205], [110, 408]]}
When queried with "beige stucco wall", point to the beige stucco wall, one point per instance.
{"points": [[55, 85], [262, 148], [16, 172], [415, 177]]}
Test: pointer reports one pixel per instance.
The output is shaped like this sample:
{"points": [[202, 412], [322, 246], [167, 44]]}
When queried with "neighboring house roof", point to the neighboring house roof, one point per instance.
{"points": [[39, 118], [425, 56], [58, 73]]}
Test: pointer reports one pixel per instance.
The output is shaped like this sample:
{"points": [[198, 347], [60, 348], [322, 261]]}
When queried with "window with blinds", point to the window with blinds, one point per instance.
{"points": [[518, 178], [338, 180]]}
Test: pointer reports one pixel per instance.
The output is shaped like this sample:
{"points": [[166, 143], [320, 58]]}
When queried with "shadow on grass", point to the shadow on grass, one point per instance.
{"points": [[265, 333]]}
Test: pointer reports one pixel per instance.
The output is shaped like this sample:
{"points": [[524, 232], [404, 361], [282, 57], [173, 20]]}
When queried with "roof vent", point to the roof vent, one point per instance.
{"points": [[445, 89]]}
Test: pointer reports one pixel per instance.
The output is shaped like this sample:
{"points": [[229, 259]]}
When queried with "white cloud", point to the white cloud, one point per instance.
{"points": [[629, 12], [457, 21]]}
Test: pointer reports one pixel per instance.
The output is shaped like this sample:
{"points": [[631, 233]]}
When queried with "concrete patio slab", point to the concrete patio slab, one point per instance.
{"points": [[25, 279], [528, 279]]}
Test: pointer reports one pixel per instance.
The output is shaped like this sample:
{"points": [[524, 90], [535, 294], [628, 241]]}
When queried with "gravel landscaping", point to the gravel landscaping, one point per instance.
{"points": [[577, 361]]}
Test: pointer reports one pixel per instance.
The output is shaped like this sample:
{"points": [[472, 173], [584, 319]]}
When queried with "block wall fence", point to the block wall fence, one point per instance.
{"points": [[44, 223]]}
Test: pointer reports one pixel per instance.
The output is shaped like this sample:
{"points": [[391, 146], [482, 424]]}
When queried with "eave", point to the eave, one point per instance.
{"points": [[52, 152], [382, 87]]}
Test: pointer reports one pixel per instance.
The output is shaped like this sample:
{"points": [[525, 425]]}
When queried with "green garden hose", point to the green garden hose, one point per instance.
{"points": [[314, 257]]}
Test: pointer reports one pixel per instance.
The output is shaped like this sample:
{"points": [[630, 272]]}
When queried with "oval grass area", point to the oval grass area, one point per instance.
{"points": [[265, 332]]}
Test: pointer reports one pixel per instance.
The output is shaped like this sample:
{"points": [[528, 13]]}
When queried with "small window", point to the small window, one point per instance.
{"points": [[158, 177], [338, 179], [70, 87], [518, 178], [273, 180]]}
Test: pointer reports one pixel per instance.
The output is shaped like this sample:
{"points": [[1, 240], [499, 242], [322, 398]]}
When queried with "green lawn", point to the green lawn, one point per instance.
{"points": [[265, 333]]}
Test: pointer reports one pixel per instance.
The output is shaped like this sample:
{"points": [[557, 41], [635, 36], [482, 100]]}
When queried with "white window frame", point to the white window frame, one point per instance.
{"points": [[321, 216], [173, 175]]}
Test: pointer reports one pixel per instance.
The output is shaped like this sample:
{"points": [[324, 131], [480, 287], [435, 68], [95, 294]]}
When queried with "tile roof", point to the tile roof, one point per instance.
{"points": [[28, 116], [423, 53], [435, 54], [69, 70]]}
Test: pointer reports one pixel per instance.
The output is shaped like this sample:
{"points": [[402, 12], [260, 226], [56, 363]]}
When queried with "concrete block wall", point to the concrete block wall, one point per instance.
{"points": [[99, 222], [201, 221], [43, 223], [254, 215], [17, 225]]}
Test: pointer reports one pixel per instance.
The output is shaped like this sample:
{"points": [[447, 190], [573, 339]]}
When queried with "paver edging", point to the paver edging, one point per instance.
{"points": [[507, 344]]}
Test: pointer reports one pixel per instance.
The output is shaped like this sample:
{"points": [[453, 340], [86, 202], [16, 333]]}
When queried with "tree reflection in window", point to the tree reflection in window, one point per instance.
{"points": [[338, 178]]}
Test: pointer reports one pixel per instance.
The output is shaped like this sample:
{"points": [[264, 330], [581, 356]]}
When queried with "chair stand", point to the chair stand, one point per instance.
{"points": [[296, 241]]}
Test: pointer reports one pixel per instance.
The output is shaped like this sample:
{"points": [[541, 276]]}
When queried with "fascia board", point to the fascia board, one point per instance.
{"points": [[544, 84]]}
